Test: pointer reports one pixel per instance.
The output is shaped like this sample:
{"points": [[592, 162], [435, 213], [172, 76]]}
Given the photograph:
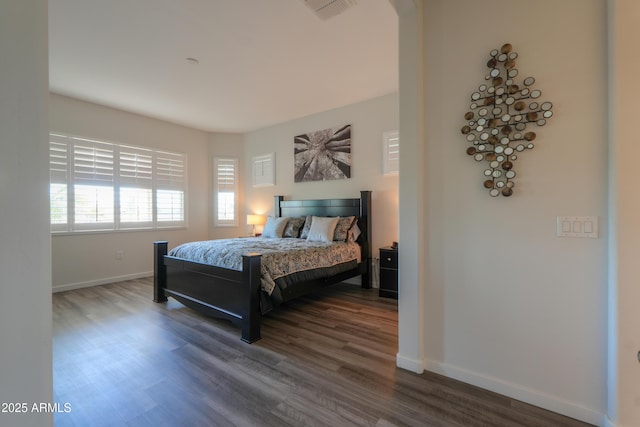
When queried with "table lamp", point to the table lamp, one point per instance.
{"points": [[254, 220]]}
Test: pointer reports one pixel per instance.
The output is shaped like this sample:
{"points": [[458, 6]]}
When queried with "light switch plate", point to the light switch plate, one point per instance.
{"points": [[577, 226]]}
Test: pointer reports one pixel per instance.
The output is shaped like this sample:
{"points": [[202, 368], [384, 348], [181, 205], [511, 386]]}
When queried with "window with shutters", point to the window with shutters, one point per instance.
{"points": [[170, 182], [264, 170], [390, 153], [93, 185], [100, 186], [135, 173], [226, 191], [58, 192]]}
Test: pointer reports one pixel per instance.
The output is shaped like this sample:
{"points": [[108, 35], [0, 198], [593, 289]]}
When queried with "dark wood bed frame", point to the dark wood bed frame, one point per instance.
{"points": [[235, 295]]}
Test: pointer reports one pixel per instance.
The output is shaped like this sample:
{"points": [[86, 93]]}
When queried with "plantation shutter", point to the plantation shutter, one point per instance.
{"points": [[93, 185], [58, 182], [170, 169], [135, 179], [226, 191], [135, 167], [58, 160], [391, 153], [93, 163], [264, 170], [100, 186], [170, 188]]}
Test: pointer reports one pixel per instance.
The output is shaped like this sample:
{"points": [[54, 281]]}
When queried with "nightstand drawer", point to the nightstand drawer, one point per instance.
{"points": [[388, 259]]}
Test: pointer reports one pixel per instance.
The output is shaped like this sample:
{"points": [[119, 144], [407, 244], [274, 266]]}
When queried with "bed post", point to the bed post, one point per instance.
{"points": [[365, 222], [251, 316], [276, 202], [159, 270]]}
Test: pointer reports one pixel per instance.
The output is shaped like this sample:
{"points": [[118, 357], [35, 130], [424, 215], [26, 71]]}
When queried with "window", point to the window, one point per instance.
{"points": [[226, 191], [390, 153], [136, 187], [58, 194], [264, 170], [100, 186], [93, 185], [170, 173]]}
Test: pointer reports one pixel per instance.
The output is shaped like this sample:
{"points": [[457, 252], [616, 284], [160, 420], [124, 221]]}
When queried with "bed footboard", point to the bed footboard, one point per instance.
{"points": [[160, 249], [213, 291]]}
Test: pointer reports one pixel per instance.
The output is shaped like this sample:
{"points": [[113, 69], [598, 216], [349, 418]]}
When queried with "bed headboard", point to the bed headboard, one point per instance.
{"points": [[361, 208]]}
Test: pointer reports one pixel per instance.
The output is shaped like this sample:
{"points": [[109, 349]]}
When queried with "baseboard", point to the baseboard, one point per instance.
{"points": [[409, 364], [608, 423], [99, 282], [515, 391]]}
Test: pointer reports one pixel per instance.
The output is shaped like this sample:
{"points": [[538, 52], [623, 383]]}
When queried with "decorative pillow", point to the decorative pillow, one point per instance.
{"points": [[344, 224], [322, 229], [293, 227], [307, 225], [354, 232], [274, 226]]}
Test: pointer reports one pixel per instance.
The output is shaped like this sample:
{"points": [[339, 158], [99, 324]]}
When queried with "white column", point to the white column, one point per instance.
{"points": [[623, 371], [25, 249], [412, 252]]}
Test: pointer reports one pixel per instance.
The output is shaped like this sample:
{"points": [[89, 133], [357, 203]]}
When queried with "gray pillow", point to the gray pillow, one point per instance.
{"points": [[342, 229], [293, 227], [307, 225]]}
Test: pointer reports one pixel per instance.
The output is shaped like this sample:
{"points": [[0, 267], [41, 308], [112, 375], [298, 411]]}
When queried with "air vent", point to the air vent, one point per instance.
{"points": [[325, 9]]}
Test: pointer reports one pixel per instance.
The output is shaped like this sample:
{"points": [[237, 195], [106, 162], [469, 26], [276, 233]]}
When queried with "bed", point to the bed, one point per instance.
{"points": [[236, 293]]}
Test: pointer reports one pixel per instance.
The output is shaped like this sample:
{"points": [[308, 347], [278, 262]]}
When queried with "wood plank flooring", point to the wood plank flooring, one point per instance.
{"points": [[120, 359]]}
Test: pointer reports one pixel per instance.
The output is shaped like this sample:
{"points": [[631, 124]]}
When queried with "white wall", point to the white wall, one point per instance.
{"points": [[508, 305], [369, 120], [25, 253], [89, 259]]}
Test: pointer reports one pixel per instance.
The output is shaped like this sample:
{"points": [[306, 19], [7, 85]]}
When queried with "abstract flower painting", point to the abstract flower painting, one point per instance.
{"points": [[323, 155]]}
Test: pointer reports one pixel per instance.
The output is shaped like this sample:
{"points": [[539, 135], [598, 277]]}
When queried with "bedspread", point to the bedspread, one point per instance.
{"points": [[280, 257]]}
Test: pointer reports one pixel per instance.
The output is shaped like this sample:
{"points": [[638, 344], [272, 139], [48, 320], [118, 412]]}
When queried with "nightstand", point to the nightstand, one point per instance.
{"points": [[388, 272]]}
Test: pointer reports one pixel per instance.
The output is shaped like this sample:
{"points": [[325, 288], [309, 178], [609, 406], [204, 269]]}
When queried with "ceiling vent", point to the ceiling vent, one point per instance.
{"points": [[325, 9]]}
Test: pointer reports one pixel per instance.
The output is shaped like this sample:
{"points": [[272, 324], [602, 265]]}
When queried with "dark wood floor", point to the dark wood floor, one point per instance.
{"points": [[326, 360]]}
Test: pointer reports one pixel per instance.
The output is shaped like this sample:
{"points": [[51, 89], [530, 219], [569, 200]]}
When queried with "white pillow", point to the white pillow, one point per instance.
{"points": [[322, 229], [274, 226]]}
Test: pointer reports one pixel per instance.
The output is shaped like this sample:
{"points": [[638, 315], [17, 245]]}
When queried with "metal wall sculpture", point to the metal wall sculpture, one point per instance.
{"points": [[496, 124]]}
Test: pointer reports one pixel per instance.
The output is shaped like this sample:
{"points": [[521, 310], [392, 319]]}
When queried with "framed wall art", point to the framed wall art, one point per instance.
{"points": [[323, 155]]}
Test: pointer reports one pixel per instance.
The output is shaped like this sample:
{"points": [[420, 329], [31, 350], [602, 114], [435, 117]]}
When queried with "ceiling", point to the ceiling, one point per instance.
{"points": [[261, 62]]}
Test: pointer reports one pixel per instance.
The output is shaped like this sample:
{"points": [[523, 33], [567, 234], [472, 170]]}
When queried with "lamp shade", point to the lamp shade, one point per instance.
{"points": [[256, 219]]}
